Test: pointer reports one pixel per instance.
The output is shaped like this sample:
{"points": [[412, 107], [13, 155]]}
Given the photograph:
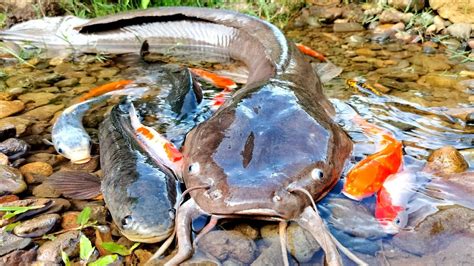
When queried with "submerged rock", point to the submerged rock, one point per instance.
{"points": [[14, 148], [10, 242], [37, 226], [8, 108], [19, 257], [460, 30], [404, 5], [228, 244], [36, 172], [446, 160], [67, 242], [11, 180]]}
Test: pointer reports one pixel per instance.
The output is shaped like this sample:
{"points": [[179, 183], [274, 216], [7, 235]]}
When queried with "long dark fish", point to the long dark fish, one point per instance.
{"points": [[139, 195]]}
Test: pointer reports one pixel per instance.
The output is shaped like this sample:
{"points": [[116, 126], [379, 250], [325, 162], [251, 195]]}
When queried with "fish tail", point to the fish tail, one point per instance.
{"points": [[106, 88], [310, 52]]}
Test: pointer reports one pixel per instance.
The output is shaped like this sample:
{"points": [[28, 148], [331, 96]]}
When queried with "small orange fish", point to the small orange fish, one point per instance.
{"points": [[368, 176], [158, 146], [216, 80], [362, 86], [112, 86], [308, 51]]}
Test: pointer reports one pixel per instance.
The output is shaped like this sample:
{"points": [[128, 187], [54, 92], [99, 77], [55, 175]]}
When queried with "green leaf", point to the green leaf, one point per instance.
{"points": [[85, 248], [11, 226], [49, 237], [145, 3], [134, 247], [12, 211], [84, 216], [65, 258], [104, 261], [116, 248]]}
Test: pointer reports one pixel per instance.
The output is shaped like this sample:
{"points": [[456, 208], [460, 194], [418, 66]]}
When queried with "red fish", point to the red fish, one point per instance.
{"points": [[308, 51], [368, 176], [216, 80], [112, 86], [392, 201]]}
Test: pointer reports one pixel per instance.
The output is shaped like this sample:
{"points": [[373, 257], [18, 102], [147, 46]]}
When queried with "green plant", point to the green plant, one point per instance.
{"points": [[12, 211]]}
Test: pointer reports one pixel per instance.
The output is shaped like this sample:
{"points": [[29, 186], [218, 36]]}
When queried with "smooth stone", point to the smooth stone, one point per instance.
{"points": [[455, 11], [108, 72], [19, 123], [403, 5], [270, 256], [451, 43], [51, 159], [347, 27], [440, 81], [8, 108], [66, 82], [3, 159], [327, 14], [228, 244], [58, 205], [446, 160], [87, 80], [439, 23], [10, 242], [89, 167], [37, 226], [67, 242], [460, 30], [247, 230], [356, 39], [14, 148], [69, 220], [19, 257], [36, 99], [394, 16], [19, 81], [365, 52], [44, 112], [431, 62], [436, 229], [48, 78], [470, 43], [11, 180], [45, 190], [36, 172]]}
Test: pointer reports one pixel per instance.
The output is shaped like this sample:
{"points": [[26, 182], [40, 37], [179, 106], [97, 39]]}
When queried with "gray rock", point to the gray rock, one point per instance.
{"points": [[37, 226], [270, 256], [460, 30], [14, 148], [19, 257], [67, 242], [10, 242], [11, 180], [228, 245]]}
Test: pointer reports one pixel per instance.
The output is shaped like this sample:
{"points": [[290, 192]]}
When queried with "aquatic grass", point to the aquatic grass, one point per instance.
{"points": [[462, 56]]}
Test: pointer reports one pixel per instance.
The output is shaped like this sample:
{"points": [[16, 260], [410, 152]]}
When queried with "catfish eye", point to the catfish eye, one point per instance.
{"points": [[127, 221], [194, 168], [317, 174], [60, 150], [398, 221]]}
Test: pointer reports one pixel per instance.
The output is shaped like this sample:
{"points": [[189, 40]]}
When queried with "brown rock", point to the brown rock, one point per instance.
{"points": [[37, 226], [228, 244], [69, 220], [36, 172], [11, 180], [51, 159], [3, 159], [403, 5], [455, 11], [446, 160], [67, 242], [19, 257], [43, 112], [8, 108], [45, 190], [35, 99], [347, 27], [19, 123]]}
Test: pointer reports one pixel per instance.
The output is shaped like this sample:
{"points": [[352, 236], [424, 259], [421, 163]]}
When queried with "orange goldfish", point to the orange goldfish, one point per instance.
{"points": [[216, 80], [112, 86], [158, 146], [391, 207], [368, 176], [308, 51]]}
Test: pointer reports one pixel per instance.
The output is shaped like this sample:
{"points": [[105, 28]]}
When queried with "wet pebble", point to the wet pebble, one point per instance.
{"points": [[228, 244], [43, 112], [347, 27], [69, 220], [37, 226], [460, 30], [89, 167], [36, 99], [11, 180], [67, 242], [19, 257], [10, 242], [45, 190], [3, 159], [66, 82], [19, 123], [51, 159], [8, 108], [431, 62], [394, 16], [406, 5], [36, 172], [48, 78], [14, 148], [247, 230], [446, 160], [270, 256]]}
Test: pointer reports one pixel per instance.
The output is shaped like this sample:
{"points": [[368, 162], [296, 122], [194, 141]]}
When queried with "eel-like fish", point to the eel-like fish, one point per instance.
{"points": [[138, 194]]}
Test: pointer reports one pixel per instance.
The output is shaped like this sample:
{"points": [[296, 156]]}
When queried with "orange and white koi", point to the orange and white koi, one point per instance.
{"points": [[216, 80], [391, 207], [368, 176], [112, 86], [158, 146], [308, 51]]}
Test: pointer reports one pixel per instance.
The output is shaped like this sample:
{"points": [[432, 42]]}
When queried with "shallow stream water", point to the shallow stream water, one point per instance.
{"points": [[426, 100]]}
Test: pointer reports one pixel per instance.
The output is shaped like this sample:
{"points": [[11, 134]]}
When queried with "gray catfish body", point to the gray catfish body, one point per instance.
{"points": [[140, 196]]}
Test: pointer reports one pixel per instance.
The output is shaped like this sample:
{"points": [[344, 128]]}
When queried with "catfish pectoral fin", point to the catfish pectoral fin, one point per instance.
{"points": [[145, 49]]}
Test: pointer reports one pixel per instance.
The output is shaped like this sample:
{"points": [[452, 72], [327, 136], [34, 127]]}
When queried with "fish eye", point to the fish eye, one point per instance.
{"points": [[317, 174], [398, 221], [60, 150], [127, 221], [194, 168]]}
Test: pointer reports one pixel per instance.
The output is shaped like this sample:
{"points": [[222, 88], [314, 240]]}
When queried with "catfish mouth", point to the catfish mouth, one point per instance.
{"points": [[81, 161], [147, 238]]}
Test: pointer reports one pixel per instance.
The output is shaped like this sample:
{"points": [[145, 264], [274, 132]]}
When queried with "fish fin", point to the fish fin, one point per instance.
{"points": [[145, 49], [327, 71], [131, 92], [197, 89], [47, 142], [75, 184]]}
